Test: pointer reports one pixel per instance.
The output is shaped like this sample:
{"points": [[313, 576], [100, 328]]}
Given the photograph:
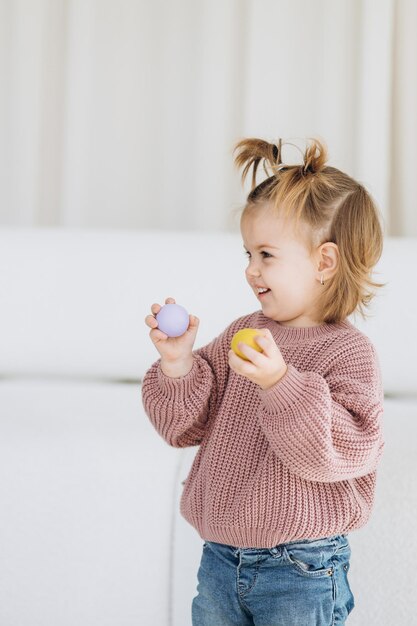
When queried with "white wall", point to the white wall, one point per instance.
{"points": [[124, 114]]}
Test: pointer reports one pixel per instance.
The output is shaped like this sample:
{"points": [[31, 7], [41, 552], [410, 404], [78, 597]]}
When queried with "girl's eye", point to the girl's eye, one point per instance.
{"points": [[266, 254]]}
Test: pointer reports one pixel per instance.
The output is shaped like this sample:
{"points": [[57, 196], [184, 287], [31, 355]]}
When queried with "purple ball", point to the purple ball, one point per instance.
{"points": [[173, 320]]}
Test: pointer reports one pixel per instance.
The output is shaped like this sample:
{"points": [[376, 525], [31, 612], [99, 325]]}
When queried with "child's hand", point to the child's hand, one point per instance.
{"points": [[176, 352], [264, 368]]}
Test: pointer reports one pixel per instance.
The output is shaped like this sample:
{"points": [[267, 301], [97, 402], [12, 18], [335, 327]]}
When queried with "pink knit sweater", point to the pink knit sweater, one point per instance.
{"points": [[295, 461]]}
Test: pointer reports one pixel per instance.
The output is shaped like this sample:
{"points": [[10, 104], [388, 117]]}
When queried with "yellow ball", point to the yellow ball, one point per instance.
{"points": [[246, 335]]}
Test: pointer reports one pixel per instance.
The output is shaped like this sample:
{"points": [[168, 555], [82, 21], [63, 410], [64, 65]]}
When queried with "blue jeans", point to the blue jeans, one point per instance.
{"points": [[299, 583]]}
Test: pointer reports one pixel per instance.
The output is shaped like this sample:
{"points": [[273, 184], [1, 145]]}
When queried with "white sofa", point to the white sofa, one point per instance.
{"points": [[90, 530]]}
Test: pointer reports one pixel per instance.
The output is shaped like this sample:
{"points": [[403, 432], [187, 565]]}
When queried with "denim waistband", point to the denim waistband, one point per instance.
{"points": [[317, 542]]}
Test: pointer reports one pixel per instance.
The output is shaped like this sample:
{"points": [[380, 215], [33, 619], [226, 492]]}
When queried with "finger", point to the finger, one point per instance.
{"points": [[266, 342], [263, 342], [253, 355], [157, 335], [155, 308], [151, 321], [234, 360], [240, 365], [169, 301], [194, 321]]}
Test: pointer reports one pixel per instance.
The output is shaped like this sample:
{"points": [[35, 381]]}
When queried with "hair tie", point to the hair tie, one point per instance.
{"points": [[276, 151]]}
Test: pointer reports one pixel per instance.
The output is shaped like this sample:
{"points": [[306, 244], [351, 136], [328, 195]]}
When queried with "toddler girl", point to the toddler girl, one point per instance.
{"points": [[289, 438]]}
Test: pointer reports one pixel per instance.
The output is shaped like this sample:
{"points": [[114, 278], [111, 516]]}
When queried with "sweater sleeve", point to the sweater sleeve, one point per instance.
{"points": [[179, 407], [328, 429]]}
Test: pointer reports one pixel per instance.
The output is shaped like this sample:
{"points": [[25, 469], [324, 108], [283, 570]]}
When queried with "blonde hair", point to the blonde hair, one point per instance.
{"points": [[337, 209]]}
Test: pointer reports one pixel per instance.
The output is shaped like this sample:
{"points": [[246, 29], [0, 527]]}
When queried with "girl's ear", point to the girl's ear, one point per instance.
{"points": [[328, 259]]}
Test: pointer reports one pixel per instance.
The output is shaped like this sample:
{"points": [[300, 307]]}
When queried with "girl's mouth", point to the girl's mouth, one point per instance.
{"points": [[261, 295]]}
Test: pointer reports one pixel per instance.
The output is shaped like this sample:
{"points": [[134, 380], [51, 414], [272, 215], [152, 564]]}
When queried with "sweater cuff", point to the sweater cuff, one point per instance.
{"points": [[178, 389], [285, 392]]}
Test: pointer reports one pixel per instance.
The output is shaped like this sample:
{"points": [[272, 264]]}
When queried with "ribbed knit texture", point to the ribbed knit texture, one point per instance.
{"points": [[296, 461]]}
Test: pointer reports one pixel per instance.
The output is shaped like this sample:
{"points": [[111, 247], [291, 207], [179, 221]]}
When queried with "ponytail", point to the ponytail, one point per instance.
{"points": [[357, 231]]}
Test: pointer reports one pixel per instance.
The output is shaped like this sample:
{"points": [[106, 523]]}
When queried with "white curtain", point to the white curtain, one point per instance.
{"points": [[123, 113]]}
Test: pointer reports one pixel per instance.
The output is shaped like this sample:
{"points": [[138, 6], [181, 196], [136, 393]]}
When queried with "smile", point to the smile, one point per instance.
{"points": [[262, 294]]}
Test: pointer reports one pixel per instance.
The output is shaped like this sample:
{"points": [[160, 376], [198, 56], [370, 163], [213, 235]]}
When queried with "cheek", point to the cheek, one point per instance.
{"points": [[288, 278], [301, 271]]}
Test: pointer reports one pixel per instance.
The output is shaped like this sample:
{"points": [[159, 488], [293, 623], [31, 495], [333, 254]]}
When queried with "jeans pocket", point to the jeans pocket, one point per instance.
{"points": [[341, 556], [343, 549], [310, 562]]}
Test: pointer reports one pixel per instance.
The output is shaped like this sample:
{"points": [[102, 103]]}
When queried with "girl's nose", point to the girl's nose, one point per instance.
{"points": [[252, 270]]}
